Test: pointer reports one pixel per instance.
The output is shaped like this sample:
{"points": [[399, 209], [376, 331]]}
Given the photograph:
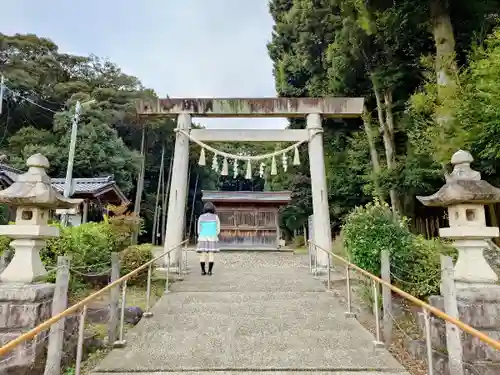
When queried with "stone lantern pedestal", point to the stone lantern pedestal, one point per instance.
{"points": [[478, 293], [25, 300]]}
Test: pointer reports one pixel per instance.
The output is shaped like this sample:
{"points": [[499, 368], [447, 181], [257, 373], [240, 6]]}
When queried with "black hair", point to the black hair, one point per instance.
{"points": [[209, 208]]}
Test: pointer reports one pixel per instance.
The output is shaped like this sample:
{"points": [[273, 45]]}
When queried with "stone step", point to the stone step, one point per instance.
{"points": [[259, 372], [258, 313]]}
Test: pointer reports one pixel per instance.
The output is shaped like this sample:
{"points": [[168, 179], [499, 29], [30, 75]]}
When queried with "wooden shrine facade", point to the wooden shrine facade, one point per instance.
{"points": [[249, 219]]}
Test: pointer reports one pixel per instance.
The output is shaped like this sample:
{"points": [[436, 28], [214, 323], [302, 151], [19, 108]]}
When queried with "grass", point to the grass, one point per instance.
{"points": [[136, 296], [337, 248]]}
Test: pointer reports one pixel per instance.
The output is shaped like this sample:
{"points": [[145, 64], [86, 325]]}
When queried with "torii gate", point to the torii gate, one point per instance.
{"points": [[314, 109]]}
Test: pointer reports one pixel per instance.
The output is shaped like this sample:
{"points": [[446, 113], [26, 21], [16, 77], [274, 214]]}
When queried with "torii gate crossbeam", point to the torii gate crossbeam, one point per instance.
{"points": [[313, 109]]}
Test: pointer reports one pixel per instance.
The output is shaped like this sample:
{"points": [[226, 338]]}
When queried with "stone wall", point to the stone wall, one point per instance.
{"points": [[22, 308], [479, 358]]}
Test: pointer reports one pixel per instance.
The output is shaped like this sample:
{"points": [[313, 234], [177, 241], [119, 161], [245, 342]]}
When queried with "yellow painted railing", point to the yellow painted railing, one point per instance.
{"points": [[456, 363], [81, 307], [441, 314]]}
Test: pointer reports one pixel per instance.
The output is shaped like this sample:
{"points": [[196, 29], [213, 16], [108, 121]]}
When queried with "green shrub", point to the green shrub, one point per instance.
{"points": [[299, 241], [4, 244], [123, 226], [89, 245], [133, 257], [415, 261], [370, 229], [423, 274]]}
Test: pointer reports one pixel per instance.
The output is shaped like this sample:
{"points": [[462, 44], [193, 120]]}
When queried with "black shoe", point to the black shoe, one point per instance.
{"points": [[210, 266], [203, 272]]}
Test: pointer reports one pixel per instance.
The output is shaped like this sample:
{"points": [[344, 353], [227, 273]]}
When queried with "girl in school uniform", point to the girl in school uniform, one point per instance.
{"points": [[208, 237]]}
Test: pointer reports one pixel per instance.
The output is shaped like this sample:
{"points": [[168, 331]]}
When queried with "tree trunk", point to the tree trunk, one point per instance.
{"points": [[367, 124], [387, 130], [446, 66], [444, 40]]}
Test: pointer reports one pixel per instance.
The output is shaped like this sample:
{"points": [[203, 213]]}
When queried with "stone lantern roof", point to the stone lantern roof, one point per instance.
{"points": [[34, 188], [463, 186]]}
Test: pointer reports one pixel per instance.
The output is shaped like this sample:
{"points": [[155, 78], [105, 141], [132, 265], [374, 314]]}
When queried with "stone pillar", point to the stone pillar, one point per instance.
{"points": [[321, 218], [178, 189], [477, 292]]}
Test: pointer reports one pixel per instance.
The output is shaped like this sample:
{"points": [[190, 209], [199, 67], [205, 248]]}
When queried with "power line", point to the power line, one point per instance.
{"points": [[4, 88]]}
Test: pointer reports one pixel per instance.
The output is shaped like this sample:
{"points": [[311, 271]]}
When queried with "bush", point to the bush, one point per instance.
{"points": [[133, 257], [123, 226], [90, 246], [299, 241], [423, 273], [370, 229], [4, 244], [415, 261]]}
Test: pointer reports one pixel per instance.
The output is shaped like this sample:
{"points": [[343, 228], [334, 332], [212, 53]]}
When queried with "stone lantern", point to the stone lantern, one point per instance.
{"points": [[34, 197], [465, 196]]}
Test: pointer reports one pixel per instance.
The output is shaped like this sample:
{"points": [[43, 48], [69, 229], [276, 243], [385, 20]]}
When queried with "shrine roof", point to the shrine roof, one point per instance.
{"points": [[247, 196], [95, 186]]}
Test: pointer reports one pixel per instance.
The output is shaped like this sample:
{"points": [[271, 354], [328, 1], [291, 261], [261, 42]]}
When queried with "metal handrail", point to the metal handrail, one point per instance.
{"points": [[77, 306], [464, 327]]}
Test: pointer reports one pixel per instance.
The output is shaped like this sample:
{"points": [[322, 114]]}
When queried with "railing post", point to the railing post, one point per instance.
{"points": [[348, 313], [428, 341], [186, 257], [114, 300], [377, 343], [453, 334], [309, 254], [121, 340], [315, 261], [79, 348], [329, 280], [179, 264], [59, 304], [180, 273], [386, 296], [167, 275], [148, 313]]}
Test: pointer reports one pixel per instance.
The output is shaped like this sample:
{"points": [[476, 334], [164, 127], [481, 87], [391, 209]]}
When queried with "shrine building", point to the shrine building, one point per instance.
{"points": [[249, 219]]}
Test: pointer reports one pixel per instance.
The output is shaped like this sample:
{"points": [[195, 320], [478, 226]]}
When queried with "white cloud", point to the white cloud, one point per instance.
{"points": [[197, 48]]}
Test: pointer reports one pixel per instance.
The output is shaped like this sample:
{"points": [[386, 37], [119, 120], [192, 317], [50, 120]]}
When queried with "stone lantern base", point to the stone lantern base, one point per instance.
{"points": [[22, 308], [478, 293], [483, 315]]}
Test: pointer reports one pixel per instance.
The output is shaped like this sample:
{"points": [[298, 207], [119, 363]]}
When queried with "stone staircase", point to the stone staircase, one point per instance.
{"points": [[258, 313]]}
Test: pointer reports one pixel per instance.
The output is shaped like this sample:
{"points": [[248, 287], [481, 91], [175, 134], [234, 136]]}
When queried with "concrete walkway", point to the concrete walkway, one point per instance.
{"points": [[258, 312]]}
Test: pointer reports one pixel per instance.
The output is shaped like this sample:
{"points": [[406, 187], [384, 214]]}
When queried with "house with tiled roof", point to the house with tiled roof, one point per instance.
{"points": [[96, 192]]}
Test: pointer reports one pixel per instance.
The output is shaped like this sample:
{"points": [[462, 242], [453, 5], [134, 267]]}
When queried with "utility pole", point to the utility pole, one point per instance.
{"points": [[71, 158], [140, 186], [160, 183], [2, 81]]}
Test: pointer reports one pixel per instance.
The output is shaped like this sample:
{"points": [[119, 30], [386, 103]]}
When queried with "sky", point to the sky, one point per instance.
{"points": [[183, 48]]}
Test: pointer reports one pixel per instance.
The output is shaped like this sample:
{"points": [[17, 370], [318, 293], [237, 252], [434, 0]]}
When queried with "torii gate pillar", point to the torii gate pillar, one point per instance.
{"points": [[321, 218], [176, 216]]}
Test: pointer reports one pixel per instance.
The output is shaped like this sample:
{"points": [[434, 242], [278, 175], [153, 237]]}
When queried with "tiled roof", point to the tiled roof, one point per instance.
{"points": [[80, 185], [246, 196], [84, 185]]}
